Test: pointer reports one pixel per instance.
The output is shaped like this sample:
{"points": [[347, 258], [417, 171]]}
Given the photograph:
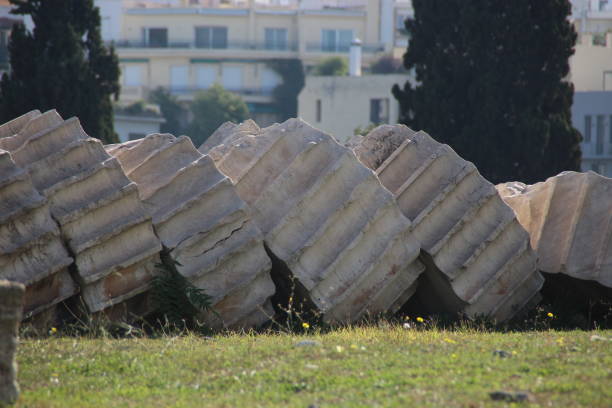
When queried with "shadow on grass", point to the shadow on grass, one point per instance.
{"points": [[567, 304]]}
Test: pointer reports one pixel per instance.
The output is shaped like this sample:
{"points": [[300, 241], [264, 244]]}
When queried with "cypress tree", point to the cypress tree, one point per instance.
{"points": [[491, 83], [61, 64], [286, 94]]}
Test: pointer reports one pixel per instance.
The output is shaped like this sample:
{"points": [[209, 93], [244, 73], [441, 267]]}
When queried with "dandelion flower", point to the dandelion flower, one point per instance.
{"points": [[53, 330], [305, 325], [420, 319], [549, 314], [354, 346]]}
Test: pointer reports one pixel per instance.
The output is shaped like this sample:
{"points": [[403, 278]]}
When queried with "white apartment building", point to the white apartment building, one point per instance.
{"points": [[591, 74], [188, 45]]}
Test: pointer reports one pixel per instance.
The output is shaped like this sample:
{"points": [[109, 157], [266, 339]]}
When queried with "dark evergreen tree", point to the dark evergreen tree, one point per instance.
{"points": [[211, 108], [62, 64], [286, 94], [491, 84], [172, 110]]}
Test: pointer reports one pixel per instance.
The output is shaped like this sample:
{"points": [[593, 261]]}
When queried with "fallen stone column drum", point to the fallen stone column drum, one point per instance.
{"points": [[101, 218], [207, 228], [31, 250], [569, 220], [478, 255], [323, 214]]}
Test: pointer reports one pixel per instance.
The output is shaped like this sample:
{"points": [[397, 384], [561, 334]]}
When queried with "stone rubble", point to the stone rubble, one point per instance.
{"points": [[208, 229], [569, 219], [477, 254], [31, 250], [326, 217], [11, 305], [101, 219]]}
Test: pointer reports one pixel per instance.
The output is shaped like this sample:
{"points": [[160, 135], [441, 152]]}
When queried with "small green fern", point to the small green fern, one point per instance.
{"points": [[175, 298]]}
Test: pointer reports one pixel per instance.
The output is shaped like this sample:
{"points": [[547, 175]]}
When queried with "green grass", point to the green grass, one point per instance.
{"points": [[379, 365]]}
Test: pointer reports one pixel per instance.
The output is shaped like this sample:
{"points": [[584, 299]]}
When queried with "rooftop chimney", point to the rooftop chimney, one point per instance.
{"points": [[355, 58]]}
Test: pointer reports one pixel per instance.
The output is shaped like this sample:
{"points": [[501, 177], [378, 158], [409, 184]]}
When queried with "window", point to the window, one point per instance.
{"points": [[400, 21], [318, 108], [379, 110], [156, 37], [276, 38], [179, 77], [3, 46], [270, 79], [599, 137], [132, 75], [587, 129], [211, 37], [610, 134], [3, 38], [232, 78], [206, 76], [336, 40]]}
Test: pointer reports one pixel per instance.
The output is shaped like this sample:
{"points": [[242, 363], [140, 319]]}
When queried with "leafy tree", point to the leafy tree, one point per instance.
{"points": [[387, 65], [332, 66], [172, 111], [62, 64], [286, 94], [211, 108], [491, 83]]}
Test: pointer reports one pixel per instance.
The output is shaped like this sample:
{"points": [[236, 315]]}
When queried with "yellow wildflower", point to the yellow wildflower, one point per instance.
{"points": [[354, 346], [53, 330], [451, 341], [550, 315], [305, 325], [420, 319]]}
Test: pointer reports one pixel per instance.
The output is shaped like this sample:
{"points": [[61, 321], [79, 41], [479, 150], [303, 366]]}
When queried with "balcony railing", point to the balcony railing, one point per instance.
{"points": [[188, 90], [248, 45], [343, 49], [232, 45]]}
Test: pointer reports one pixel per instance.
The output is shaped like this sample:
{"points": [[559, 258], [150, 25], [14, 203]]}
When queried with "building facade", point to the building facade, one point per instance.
{"points": [[592, 116], [186, 47], [340, 105]]}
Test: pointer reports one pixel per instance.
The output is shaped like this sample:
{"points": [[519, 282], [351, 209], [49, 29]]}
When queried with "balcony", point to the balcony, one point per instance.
{"points": [[190, 90], [186, 93], [190, 44], [340, 49]]}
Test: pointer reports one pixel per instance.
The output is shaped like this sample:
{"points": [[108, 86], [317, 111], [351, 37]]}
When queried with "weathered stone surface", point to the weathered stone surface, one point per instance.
{"points": [[14, 126], [327, 217], [478, 255], [569, 220], [11, 304], [227, 132], [100, 215], [31, 250], [207, 227]]}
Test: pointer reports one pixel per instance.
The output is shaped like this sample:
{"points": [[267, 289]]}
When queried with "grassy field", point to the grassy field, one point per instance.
{"points": [[380, 365]]}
